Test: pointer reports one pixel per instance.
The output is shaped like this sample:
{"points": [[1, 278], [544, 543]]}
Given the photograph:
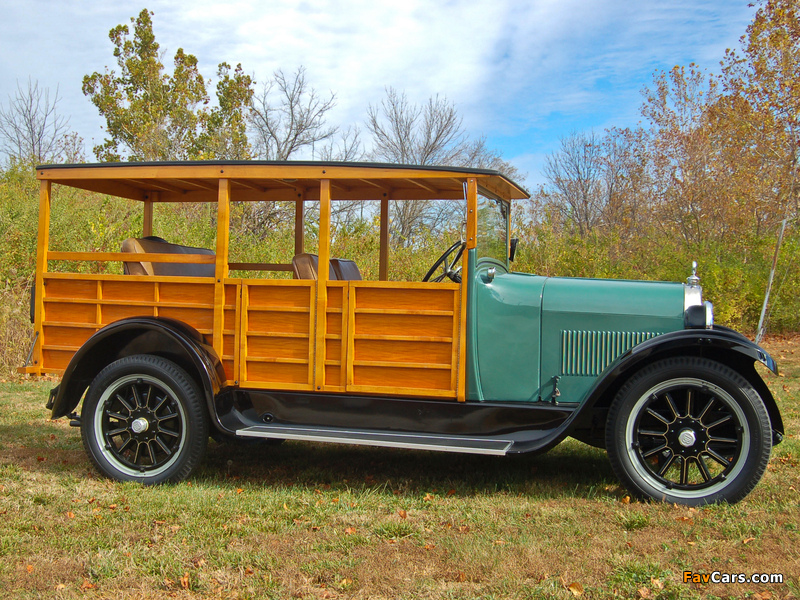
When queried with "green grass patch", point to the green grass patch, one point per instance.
{"points": [[325, 521]]}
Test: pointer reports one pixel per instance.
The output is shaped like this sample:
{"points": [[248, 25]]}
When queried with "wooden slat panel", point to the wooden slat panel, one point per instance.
{"points": [[333, 323], [276, 329], [128, 290], [67, 336], [56, 359], [187, 293], [199, 318], [279, 296], [404, 324], [228, 366], [412, 299], [383, 377], [70, 289], [277, 373], [278, 347], [403, 352], [402, 340], [276, 321], [70, 313], [115, 312]]}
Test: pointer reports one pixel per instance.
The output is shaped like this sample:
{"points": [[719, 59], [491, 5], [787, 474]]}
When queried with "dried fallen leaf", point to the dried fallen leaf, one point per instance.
{"points": [[403, 514], [40, 458], [765, 595], [428, 497], [656, 583], [239, 490], [86, 585], [350, 531], [575, 588], [748, 540], [644, 593], [248, 571], [625, 500], [185, 581], [461, 577], [29, 568], [70, 515], [451, 493], [430, 546]]}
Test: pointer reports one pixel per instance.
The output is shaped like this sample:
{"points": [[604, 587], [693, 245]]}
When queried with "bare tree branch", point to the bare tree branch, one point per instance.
{"points": [[288, 116], [31, 128]]}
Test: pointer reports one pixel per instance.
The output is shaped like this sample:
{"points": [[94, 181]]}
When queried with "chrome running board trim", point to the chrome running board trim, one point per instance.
{"points": [[463, 445]]}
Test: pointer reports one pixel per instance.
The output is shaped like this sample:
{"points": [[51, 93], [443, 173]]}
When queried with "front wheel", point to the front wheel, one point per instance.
{"points": [[689, 430], [143, 420]]}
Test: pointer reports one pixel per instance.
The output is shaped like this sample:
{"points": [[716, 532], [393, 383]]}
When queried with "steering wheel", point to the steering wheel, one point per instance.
{"points": [[448, 271]]}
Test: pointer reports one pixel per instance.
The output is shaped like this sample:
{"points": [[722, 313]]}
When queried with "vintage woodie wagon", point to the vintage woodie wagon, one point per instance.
{"points": [[475, 358]]}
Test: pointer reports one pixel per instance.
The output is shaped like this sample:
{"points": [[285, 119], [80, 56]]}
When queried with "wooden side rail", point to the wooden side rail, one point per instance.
{"points": [[259, 267], [203, 259]]}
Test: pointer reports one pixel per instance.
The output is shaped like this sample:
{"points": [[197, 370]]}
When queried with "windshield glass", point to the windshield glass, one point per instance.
{"points": [[492, 228]]}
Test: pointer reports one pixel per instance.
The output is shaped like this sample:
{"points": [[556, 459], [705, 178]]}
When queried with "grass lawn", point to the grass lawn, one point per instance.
{"points": [[326, 521]]}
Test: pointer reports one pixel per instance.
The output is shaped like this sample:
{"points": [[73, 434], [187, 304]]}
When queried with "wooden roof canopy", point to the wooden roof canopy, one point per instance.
{"points": [[198, 181]]}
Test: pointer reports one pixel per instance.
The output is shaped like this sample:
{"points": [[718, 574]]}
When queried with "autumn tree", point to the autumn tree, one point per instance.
{"points": [[763, 83]]}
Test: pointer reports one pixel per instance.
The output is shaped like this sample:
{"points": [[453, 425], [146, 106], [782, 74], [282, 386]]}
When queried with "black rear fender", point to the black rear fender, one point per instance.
{"points": [[167, 338], [721, 344]]}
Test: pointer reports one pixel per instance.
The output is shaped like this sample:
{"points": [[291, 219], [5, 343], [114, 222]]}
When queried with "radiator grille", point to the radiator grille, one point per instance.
{"points": [[590, 352]]}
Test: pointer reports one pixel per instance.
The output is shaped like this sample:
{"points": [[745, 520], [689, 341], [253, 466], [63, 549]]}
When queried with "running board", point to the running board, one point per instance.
{"points": [[460, 444]]}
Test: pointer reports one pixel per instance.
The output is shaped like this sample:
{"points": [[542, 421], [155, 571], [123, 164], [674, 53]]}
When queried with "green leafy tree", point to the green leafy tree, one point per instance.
{"points": [[155, 115]]}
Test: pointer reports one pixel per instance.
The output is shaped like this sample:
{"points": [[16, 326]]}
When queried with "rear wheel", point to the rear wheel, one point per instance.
{"points": [[143, 420], [689, 430]]}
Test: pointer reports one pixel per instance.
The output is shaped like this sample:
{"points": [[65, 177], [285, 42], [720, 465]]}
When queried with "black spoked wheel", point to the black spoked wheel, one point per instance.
{"points": [[689, 430], [143, 420]]}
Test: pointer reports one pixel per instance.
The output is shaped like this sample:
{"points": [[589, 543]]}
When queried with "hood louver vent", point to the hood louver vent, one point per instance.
{"points": [[588, 353]]}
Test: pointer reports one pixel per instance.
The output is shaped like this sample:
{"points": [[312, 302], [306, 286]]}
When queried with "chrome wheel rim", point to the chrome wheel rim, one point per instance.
{"points": [[140, 425], [687, 437]]}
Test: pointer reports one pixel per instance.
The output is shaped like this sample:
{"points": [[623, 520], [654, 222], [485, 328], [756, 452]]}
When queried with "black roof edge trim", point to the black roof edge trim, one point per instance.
{"points": [[287, 163]]}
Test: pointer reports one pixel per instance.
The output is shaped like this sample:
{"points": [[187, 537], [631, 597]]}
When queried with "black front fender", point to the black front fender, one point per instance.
{"points": [[167, 338], [721, 344]]}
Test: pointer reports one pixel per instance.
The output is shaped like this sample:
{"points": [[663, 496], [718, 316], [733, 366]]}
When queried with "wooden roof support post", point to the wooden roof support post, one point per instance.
{"points": [[384, 257], [147, 223], [472, 239], [221, 269], [323, 266], [42, 248], [299, 223]]}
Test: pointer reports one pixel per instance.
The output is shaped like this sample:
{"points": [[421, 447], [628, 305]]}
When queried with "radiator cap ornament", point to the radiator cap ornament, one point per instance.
{"points": [[693, 280]]}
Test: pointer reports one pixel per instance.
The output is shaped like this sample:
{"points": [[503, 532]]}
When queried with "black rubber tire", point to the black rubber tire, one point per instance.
{"points": [[144, 419], [716, 437]]}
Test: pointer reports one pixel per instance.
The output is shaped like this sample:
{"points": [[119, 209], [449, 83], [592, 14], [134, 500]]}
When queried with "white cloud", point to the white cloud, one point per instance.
{"points": [[521, 72]]}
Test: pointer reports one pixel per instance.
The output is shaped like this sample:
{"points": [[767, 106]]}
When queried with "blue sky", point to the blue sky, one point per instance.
{"points": [[522, 73]]}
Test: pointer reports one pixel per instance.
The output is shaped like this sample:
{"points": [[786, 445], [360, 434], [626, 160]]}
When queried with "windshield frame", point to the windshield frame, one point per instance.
{"points": [[487, 246]]}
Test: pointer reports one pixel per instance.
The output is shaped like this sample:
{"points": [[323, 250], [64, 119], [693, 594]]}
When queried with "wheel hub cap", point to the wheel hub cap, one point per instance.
{"points": [[687, 438], [140, 425]]}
